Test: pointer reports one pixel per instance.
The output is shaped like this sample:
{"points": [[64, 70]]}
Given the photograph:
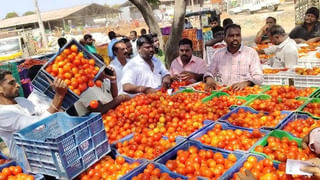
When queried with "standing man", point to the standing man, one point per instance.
{"points": [[187, 24], [238, 65], [285, 49], [133, 38], [113, 39], [143, 31], [187, 67], [120, 51], [144, 73], [262, 35], [309, 31], [88, 40], [158, 52]]}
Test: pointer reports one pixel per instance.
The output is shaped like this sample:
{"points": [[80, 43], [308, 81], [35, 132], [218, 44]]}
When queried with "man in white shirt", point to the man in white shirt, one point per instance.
{"points": [[133, 38], [285, 49], [144, 73], [17, 112], [120, 51]]}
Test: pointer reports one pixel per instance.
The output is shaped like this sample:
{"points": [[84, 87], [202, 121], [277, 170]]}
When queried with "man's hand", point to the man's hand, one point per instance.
{"points": [[239, 86], [211, 84], [246, 176], [312, 169], [149, 90], [265, 28], [166, 82], [186, 75], [59, 86], [110, 77]]}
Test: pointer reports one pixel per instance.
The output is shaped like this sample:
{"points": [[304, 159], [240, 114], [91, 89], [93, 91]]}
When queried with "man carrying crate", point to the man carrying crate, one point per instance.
{"points": [[18, 112]]}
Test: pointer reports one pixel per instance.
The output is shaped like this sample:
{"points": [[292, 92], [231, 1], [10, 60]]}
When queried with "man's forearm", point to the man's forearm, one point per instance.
{"points": [[56, 103], [114, 88], [214, 41], [132, 89]]}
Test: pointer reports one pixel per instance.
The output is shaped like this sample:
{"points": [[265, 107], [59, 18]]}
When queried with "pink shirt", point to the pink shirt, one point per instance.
{"points": [[244, 65], [195, 65]]}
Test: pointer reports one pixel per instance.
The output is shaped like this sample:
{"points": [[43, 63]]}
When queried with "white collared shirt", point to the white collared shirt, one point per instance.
{"points": [[286, 54], [115, 63], [138, 72]]}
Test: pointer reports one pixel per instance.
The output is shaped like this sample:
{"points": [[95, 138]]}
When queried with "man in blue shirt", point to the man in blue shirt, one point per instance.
{"points": [[113, 39]]}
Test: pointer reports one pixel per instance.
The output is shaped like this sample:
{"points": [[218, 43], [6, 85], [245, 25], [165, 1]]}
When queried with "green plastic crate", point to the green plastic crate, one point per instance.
{"points": [[13, 68], [313, 100], [278, 134], [316, 93]]}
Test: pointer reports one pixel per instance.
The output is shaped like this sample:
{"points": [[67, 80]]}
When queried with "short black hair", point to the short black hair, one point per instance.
{"points": [[33, 71], [143, 31], [62, 41], [134, 32], [3, 73], [314, 11], [153, 35], [273, 18], [87, 36], [276, 30], [233, 26], [216, 29], [185, 41], [125, 40], [112, 35], [226, 22], [114, 47], [214, 18], [144, 39]]}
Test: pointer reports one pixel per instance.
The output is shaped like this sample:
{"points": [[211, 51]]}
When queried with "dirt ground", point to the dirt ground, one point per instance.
{"points": [[252, 23]]}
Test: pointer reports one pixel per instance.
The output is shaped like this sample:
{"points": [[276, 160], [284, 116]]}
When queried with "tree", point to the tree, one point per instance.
{"points": [[11, 15], [170, 49], [28, 13]]}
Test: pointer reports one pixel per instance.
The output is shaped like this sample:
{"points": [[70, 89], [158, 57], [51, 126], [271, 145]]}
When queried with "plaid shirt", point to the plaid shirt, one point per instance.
{"points": [[244, 65]]}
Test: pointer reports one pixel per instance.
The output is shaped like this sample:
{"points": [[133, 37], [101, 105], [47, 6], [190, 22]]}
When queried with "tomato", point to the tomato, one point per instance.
{"points": [[98, 83], [94, 104], [74, 48]]}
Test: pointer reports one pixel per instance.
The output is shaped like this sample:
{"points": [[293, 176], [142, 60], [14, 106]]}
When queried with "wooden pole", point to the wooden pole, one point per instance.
{"points": [[44, 37]]}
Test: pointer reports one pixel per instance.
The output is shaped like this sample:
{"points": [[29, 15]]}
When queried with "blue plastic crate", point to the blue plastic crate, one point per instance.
{"points": [[14, 163], [62, 146], [225, 118], [225, 126], [172, 154], [140, 169], [293, 117], [238, 165], [199, 34], [179, 140], [41, 83]]}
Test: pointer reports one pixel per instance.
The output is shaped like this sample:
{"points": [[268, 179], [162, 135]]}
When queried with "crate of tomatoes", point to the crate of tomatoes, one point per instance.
{"points": [[73, 64], [13, 170]]}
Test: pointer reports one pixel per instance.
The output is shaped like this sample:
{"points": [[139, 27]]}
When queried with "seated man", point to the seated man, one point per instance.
{"points": [[187, 67], [309, 31], [238, 65], [144, 73], [285, 49], [17, 113], [101, 94], [262, 35], [121, 52]]}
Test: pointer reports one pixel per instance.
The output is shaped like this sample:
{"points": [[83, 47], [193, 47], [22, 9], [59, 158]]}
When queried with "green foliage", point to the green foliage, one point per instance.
{"points": [[11, 15], [28, 13], [153, 1]]}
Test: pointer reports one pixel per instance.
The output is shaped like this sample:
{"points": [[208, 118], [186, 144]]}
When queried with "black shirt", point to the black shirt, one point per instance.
{"points": [[300, 31]]}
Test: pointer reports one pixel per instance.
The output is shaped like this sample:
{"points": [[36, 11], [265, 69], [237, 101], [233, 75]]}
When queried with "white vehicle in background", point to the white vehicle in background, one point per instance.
{"points": [[252, 6]]}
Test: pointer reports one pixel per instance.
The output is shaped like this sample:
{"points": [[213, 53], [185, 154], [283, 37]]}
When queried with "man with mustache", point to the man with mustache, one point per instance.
{"points": [[237, 65], [144, 73], [187, 67], [120, 51]]}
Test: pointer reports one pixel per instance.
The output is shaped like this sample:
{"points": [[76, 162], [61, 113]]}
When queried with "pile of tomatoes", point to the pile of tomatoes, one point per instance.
{"points": [[4, 161], [301, 127], [289, 92], [151, 172], [230, 139], [72, 67], [244, 118], [180, 114], [264, 170], [244, 92], [308, 71], [108, 168], [313, 108], [200, 162], [146, 145], [14, 173], [273, 71], [282, 149], [276, 104], [175, 85]]}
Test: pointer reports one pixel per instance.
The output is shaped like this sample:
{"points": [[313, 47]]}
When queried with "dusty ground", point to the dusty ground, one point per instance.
{"points": [[251, 23]]}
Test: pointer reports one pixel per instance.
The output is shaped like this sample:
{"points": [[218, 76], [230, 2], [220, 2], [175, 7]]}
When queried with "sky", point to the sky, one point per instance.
{"points": [[22, 6]]}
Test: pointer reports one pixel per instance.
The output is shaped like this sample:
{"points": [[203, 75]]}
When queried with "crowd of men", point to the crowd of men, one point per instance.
{"points": [[137, 66]]}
